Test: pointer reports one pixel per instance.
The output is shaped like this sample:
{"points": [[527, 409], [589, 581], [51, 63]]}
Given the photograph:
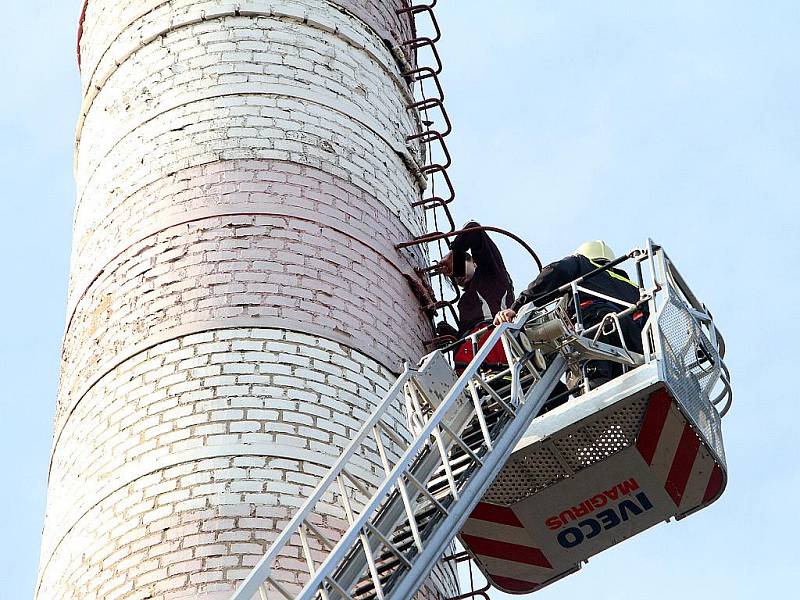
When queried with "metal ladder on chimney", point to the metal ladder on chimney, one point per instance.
{"points": [[391, 537]]}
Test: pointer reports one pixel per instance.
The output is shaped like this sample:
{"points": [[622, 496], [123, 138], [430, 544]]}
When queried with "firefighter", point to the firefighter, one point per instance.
{"points": [[476, 266], [611, 282]]}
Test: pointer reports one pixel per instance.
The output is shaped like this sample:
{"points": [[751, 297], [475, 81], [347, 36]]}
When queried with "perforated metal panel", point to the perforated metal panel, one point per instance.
{"points": [[691, 368], [600, 439], [547, 463], [524, 476]]}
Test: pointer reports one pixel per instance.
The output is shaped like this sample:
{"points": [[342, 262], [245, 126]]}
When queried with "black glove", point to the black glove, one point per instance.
{"points": [[444, 328]]}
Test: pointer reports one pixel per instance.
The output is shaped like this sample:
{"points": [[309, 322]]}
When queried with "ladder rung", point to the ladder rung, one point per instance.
{"points": [[386, 570], [441, 484], [392, 435], [461, 443], [358, 485], [373, 569], [389, 544], [426, 493], [401, 537], [399, 530], [401, 488], [319, 535]]}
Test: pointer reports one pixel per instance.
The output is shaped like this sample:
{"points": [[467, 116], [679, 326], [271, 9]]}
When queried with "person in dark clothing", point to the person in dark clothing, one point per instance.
{"points": [[612, 282], [476, 266]]}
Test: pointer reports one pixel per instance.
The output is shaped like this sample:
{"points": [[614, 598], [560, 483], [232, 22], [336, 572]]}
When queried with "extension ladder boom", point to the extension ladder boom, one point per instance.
{"points": [[439, 445], [465, 427]]}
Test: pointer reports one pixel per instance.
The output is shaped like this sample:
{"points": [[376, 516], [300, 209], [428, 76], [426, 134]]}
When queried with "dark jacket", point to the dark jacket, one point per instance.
{"points": [[490, 289], [614, 283]]}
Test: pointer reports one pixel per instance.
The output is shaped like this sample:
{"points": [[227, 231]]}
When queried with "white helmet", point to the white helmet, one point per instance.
{"points": [[595, 250]]}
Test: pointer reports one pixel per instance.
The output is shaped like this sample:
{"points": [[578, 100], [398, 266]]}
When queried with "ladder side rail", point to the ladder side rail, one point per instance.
{"points": [[472, 493], [327, 569], [350, 569], [261, 572], [401, 488]]}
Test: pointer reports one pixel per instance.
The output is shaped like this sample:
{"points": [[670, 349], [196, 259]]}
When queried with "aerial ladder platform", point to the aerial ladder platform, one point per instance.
{"points": [[530, 495]]}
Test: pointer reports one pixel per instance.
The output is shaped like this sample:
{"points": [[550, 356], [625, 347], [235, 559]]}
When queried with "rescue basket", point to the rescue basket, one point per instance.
{"points": [[603, 467]]}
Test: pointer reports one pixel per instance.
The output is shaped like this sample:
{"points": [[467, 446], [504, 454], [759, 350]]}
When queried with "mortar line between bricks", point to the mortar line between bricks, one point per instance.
{"points": [[277, 91], [194, 455], [332, 102], [385, 252], [275, 323], [92, 90], [217, 159], [142, 14]]}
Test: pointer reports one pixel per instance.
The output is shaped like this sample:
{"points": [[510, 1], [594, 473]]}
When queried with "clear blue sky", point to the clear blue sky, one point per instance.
{"points": [[574, 120]]}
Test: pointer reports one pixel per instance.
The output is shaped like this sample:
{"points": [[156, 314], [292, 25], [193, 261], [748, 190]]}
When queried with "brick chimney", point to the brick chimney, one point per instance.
{"points": [[236, 305]]}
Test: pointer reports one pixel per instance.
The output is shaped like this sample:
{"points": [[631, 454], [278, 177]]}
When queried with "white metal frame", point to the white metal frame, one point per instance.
{"points": [[443, 427], [441, 419]]}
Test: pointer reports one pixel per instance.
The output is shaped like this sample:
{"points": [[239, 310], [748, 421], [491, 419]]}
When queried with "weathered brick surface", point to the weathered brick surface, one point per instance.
{"points": [[251, 186], [111, 22], [218, 433], [243, 268], [271, 89], [236, 305], [231, 49], [192, 459]]}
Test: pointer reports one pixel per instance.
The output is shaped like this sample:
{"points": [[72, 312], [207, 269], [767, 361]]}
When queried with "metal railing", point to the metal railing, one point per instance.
{"points": [[692, 352], [664, 293]]}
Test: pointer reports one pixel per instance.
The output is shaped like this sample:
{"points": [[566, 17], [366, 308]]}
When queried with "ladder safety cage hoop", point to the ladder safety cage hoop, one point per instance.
{"points": [[433, 132]]}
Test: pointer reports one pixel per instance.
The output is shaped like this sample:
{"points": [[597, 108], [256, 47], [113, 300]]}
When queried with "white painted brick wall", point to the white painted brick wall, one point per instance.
{"points": [[116, 22], [279, 270], [236, 306], [232, 187], [144, 449], [337, 109]]}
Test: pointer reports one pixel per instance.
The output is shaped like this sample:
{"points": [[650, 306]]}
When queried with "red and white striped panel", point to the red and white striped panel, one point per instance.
{"points": [[510, 558], [676, 455]]}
